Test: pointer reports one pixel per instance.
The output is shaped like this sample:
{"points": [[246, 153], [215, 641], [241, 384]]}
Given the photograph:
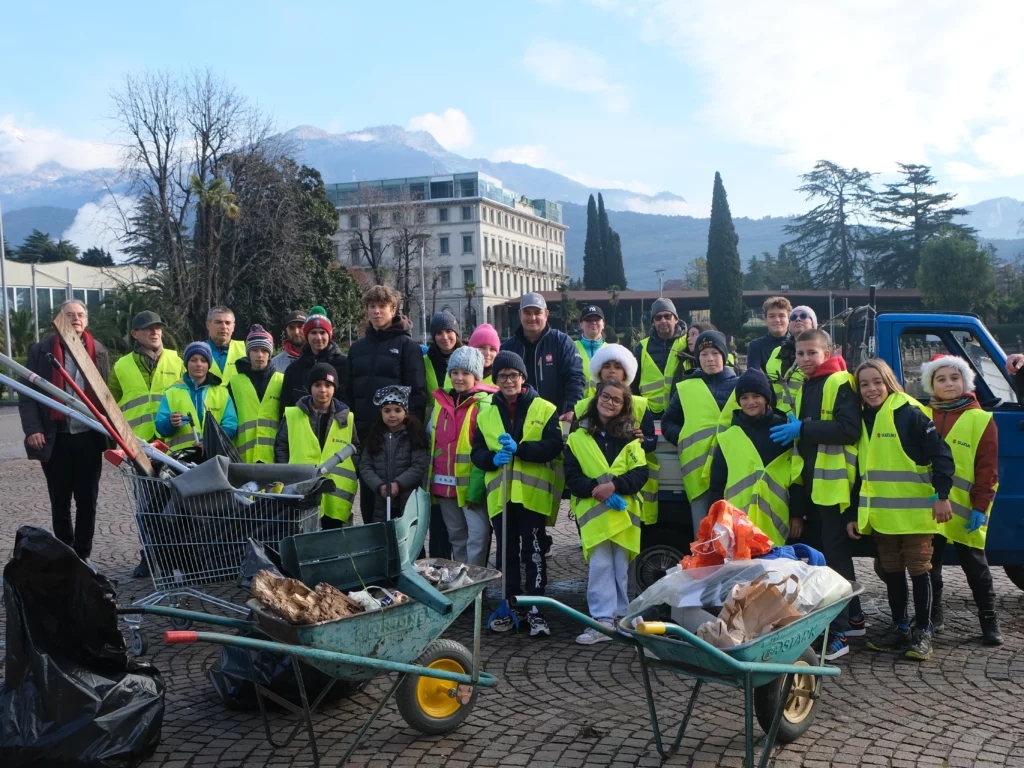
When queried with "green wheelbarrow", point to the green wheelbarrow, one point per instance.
{"points": [[779, 673]]}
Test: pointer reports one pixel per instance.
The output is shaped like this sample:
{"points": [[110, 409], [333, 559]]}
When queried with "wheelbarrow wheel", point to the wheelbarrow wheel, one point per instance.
{"points": [[433, 706], [799, 710], [650, 565]]}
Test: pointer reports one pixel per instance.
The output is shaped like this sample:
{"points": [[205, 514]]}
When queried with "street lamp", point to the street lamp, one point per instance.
{"points": [[422, 240]]}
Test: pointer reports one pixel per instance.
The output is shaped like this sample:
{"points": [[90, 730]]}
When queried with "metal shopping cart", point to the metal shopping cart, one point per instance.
{"points": [[195, 527]]}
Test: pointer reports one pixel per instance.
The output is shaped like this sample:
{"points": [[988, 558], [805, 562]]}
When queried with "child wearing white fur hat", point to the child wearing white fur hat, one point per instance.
{"points": [[971, 434]]}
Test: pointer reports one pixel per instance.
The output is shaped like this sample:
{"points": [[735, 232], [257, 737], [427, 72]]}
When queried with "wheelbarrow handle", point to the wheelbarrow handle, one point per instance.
{"points": [[180, 613], [582, 618]]}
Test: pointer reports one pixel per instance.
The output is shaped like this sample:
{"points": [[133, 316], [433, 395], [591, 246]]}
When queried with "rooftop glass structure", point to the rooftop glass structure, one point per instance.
{"points": [[450, 187]]}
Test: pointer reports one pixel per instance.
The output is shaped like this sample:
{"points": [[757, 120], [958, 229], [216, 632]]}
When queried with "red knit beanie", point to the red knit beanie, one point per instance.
{"points": [[317, 319]]}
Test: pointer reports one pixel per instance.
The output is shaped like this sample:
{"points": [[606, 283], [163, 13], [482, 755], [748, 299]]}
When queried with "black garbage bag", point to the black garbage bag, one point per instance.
{"points": [[71, 695], [232, 680], [217, 443]]}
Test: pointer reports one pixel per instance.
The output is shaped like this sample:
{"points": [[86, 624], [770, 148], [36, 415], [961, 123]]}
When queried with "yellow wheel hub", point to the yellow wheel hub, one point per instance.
{"points": [[799, 704], [437, 697]]}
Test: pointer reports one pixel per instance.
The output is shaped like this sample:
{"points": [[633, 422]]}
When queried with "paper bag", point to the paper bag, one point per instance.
{"points": [[753, 609]]}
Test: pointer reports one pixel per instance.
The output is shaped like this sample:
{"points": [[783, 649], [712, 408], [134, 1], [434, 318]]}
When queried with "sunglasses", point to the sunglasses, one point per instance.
{"points": [[799, 316], [664, 316]]}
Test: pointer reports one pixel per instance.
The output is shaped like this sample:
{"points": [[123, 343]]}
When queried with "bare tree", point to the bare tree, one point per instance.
{"points": [[370, 242]]}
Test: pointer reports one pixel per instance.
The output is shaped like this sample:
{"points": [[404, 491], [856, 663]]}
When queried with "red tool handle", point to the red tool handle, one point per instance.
{"points": [[173, 636]]}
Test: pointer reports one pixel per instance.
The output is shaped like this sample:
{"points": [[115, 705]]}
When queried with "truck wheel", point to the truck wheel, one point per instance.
{"points": [[430, 705], [800, 708], [650, 565], [1016, 574]]}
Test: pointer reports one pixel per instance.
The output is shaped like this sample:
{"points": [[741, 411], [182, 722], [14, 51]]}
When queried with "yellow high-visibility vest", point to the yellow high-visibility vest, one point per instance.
{"points": [[835, 466], [785, 383], [895, 493], [138, 403], [463, 447], [538, 487], [656, 384], [702, 422], [304, 448], [598, 522], [215, 401], [762, 492], [257, 420], [236, 349]]}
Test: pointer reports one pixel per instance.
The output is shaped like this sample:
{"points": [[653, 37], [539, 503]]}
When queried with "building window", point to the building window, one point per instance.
{"points": [[485, 247], [353, 254], [467, 213], [506, 221], [443, 245], [446, 279], [501, 279], [375, 220], [468, 276], [396, 217], [492, 215], [520, 251], [487, 278], [499, 248], [353, 222], [467, 243], [442, 214], [378, 251], [421, 216]]}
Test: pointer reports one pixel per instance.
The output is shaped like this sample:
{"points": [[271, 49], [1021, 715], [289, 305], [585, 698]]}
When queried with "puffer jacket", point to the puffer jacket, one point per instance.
{"points": [[454, 408], [294, 386], [381, 358], [553, 366], [397, 462]]}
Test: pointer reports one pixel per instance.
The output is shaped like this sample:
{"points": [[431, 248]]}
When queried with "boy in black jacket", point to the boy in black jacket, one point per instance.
{"points": [[827, 428], [512, 403]]}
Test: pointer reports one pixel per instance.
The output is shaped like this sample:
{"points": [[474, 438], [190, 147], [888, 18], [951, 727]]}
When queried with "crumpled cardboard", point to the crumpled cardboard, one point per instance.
{"points": [[752, 609]]}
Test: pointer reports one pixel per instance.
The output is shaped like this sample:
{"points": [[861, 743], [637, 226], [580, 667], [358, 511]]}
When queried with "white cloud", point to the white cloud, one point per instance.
{"points": [[663, 207], [600, 182], [96, 224], [24, 146], [863, 84], [575, 68], [530, 154], [962, 172], [451, 128]]}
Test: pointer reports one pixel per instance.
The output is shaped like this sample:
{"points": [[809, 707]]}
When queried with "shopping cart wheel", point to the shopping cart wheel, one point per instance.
{"points": [[433, 706], [138, 643], [800, 707], [181, 624]]}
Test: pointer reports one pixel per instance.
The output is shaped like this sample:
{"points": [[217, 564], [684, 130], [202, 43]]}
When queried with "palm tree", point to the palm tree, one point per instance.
{"points": [[613, 300], [470, 315]]}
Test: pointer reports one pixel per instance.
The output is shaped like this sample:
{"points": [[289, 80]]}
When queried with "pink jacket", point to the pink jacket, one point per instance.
{"points": [[450, 419]]}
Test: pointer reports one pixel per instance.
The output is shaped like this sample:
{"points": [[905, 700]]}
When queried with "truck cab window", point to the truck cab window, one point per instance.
{"points": [[917, 348], [986, 367]]}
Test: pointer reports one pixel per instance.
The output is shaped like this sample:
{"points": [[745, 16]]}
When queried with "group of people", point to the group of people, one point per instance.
{"points": [[808, 450]]}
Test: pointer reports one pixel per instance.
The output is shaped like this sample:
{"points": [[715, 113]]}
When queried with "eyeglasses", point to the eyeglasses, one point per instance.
{"points": [[609, 400], [799, 316], [512, 378], [664, 316]]}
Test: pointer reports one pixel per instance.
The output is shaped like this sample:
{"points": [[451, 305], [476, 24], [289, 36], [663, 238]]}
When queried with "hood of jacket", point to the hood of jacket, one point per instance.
{"points": [[338, 410], [832, 365], [771, 418], [244, 365], [447, 397], [323, 356], [400, 325], [211, 380]]}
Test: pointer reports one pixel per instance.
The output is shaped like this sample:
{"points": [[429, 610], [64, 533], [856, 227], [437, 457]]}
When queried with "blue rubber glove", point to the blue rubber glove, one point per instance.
{"points": [[784, 434], [616, 502], [977, 520], [502, 457], [507, 442], [425, 348]]}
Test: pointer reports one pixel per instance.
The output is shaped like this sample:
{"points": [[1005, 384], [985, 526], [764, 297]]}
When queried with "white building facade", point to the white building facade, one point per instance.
{"points": [[475, 231]]}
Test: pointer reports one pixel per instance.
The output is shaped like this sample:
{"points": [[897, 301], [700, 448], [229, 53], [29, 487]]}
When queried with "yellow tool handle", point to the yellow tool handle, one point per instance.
{"points": [[651, 628]]}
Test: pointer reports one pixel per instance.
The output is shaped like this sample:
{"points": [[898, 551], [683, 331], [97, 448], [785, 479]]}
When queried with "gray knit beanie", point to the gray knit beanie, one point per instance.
{"points": [[467, 359], [444, 321]]}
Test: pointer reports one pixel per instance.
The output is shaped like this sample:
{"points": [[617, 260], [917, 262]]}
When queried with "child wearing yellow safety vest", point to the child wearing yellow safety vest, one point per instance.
{"points": [[319, 430], [826, 424], [905, 474], [519, 431], [971, 434], [605, 468], [256, 392], [195, 395], [613, 362], [749, 469], [444, 332], [701, 407], [452, 425]]}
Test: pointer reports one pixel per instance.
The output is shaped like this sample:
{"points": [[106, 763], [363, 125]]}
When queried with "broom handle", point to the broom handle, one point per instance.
{"points": [[504, 528]]}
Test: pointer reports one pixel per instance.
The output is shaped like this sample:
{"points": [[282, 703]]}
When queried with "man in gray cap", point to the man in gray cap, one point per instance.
{"points": [[294, 341], [553, 363], [657, 356]]}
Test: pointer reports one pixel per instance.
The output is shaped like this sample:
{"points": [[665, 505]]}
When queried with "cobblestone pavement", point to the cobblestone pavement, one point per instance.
{"points": [[562, 704]]}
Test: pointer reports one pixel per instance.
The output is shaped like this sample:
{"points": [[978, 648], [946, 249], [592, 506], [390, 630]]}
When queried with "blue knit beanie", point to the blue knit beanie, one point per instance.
{"points": [[199, 348]]}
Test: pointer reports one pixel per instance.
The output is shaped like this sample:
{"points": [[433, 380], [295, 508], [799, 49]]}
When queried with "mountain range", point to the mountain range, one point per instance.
{"points": [[49, 197]]}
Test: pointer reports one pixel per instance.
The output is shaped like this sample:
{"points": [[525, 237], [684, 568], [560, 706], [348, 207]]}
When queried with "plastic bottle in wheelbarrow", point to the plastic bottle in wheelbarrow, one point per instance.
{"points": [[71, 695]]}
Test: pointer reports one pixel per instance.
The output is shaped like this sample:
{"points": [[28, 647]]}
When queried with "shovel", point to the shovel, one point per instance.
{"points": [[504, 610]]}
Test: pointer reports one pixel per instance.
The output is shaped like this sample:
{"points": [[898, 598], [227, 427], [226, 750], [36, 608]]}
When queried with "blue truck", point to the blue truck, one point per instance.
{"points": [[904, 340]]}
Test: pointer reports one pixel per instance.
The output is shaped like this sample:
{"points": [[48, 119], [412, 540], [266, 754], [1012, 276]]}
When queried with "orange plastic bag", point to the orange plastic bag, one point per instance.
{"points": [[726, 534]]}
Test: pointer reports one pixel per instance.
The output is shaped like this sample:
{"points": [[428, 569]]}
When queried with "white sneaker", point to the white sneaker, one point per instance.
{"points": [[591, 636]]}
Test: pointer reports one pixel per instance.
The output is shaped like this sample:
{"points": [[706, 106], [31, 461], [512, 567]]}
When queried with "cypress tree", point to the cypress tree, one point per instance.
{"points": [[616, 271], [594, 274], [725, 274]]}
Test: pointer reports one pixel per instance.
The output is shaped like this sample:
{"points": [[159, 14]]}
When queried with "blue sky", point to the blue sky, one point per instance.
{"points": [[648, 95]]}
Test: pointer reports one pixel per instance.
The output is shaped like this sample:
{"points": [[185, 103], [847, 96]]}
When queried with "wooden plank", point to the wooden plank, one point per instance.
{"points": [[104, 402]]}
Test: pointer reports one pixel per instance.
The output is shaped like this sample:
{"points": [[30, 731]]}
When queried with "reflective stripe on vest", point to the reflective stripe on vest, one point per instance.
{"points": [[257, 420], [702, 421], [598, 522], [963, 440], [538, 487], [786, 384], [762, 492], [896, 493], [236, 349], [835, 466], [656, 384], [304, 448], [139, 404], [179, 400], [463, 464]]}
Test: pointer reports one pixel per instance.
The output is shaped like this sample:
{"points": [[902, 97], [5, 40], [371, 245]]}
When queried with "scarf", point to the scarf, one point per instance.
{"points": [[951, 405], [291, 350], [57, 379]]}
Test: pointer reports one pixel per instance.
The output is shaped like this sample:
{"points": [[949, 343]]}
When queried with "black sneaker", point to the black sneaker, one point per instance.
{"points": [[938, 618], [920, 646], [896, 639], [990, 634], [858, 626], [537, 625]]}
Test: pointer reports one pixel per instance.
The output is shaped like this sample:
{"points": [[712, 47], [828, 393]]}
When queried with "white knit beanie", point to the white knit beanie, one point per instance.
{"points": [[946, 361], [809, 311], [615, 352]]}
